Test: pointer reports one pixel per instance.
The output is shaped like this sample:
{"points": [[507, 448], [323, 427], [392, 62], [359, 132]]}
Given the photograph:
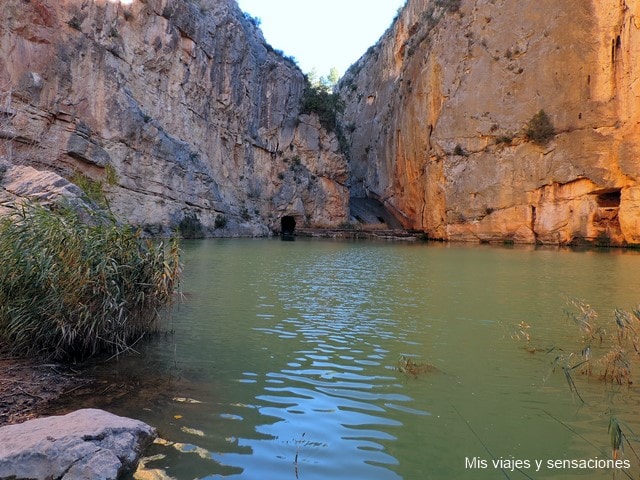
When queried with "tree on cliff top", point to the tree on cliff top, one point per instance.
{"points": [[328, 82], [319, 99]]}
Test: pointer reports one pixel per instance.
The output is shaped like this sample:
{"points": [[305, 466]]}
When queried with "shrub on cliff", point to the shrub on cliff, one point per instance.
{"points": [[69, 290], [190, 226], [539, 129], [327, 105]]}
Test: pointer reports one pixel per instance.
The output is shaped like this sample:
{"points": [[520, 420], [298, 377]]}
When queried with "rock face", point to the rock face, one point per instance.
{"points": [[438, 111], [84, 444], [19, 183], [179, 108]]}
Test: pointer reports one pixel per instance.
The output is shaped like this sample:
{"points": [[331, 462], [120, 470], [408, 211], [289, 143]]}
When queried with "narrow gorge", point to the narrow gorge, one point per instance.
{"points": [[181, 110]]}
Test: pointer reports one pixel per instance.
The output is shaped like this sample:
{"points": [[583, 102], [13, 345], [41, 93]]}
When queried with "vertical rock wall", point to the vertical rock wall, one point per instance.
{"points": [[437, 112], [177, 107]]}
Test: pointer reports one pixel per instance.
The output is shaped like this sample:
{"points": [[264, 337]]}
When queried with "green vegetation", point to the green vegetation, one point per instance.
{"points": [[94, 189], [70, 290], [190, 226], [540, 129], [255, 21], [110, 174], [319, 98], [504, 140], [409, 367], [91, 188], [328, 82], [321, 101], [220, 221], [606, 353]]}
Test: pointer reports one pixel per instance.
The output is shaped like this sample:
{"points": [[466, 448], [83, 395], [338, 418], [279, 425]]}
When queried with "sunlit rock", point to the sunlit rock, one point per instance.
{"points": [[439, 109]]}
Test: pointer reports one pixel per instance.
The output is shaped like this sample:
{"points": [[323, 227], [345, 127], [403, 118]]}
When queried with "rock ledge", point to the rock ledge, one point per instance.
{"points": [[87, 443]]}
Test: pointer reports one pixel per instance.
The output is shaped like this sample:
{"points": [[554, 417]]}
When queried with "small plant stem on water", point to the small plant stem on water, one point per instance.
{"points": [[295, 460]]}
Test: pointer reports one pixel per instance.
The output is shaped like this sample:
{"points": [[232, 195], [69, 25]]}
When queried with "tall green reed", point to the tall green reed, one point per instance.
{"points": [[72, 288]]}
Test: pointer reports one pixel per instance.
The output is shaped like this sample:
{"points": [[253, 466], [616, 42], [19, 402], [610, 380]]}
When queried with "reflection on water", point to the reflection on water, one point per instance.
{"points": [[283, 361]]}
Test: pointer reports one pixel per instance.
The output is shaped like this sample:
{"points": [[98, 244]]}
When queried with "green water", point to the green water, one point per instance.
{"points": [[292, 350]]}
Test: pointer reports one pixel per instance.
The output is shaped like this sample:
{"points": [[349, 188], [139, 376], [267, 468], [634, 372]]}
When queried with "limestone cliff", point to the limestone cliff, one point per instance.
{"points": [[436, 115], [179, 107]]}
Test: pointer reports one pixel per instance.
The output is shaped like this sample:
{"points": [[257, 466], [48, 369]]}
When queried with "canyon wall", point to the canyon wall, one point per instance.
{"points": [[437, 113], [176, 108]]}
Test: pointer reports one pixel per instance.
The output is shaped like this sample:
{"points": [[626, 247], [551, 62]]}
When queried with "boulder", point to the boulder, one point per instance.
{"points": [[87, 443]]}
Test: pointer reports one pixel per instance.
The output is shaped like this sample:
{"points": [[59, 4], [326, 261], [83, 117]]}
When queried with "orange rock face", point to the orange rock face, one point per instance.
{"points": [[440, 106]]}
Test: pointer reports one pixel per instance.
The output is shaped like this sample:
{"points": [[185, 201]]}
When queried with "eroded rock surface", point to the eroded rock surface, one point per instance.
{"points": [[23, 183], [178, 107], [438, 109], [181, 108], [85, 444]]}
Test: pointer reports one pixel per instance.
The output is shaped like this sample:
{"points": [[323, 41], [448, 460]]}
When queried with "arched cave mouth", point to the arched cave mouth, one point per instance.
{"points": [[287, 225]]}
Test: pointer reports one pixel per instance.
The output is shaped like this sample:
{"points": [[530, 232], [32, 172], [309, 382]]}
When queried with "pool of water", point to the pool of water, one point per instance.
{"points": [[293, 360]]}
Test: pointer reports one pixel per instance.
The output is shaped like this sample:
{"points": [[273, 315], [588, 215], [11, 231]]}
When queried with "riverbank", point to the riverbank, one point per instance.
{"points": [[28, 388]]}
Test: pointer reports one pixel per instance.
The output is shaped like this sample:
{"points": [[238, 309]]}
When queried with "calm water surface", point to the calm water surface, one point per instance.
{"points": [[284, 362]]}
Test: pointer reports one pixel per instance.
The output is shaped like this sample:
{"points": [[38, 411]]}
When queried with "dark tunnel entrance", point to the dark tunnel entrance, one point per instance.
{"points": [[287, 225]]}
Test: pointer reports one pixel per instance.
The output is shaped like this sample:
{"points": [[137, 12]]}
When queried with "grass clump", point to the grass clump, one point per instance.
{"points": [[110, 174], [91, 188], [459, 151], [504, 140], [70, 290]]}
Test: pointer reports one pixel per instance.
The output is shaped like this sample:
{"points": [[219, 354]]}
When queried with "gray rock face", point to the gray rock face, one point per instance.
{"points": [[178, 107], [86, 444]]}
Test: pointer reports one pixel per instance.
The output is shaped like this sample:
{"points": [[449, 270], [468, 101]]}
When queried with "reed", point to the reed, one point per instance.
{"points": [[70, 289], [618, 349]]}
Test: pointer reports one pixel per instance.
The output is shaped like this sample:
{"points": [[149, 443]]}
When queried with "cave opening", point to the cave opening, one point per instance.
{"points": [[287, 225], [609, 199]]}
